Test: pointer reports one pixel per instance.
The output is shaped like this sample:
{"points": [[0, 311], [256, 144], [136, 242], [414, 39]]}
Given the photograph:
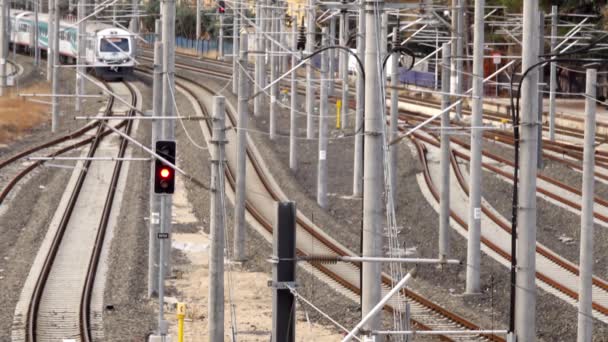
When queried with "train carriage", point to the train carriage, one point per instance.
{"points": [[108, 49]]}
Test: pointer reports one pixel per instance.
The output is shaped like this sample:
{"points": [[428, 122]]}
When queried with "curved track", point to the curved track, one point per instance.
{"points": [[59, 295], [344, 277]]}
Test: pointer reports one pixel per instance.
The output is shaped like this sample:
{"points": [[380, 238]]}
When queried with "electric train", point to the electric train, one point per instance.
{"points": [[109, 50]]}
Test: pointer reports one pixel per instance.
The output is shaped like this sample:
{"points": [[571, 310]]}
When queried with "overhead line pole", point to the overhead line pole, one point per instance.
{"points": [[293, 119], [394, 131], [344, 68], [36, 37], [541, 79], [474, 235], [332, 54], [444, 209], [360, 106], [259, 59], [310, 45], [198, 27], [274, 88], [3, 45], [217, 225], [235, 45], [525, 285], [457, 51], [50, 45], [55, 81], [585, 300], [241, 179], [553, 76], [81, 36], [323, 127], [373, 213]]}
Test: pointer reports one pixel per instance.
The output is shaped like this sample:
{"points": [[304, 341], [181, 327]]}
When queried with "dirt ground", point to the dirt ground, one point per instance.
{"points": [[17, 116]]}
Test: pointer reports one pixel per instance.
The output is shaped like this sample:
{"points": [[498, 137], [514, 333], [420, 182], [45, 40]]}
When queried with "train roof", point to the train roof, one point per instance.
{"points": [[92, 26]]}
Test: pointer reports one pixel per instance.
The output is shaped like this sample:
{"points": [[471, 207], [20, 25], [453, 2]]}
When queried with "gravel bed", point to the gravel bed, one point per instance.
{"points": [[31, 205], [556, 319], [129, 315]]}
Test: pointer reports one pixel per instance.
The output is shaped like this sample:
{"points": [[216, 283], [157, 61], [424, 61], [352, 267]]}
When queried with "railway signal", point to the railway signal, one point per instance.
{"points": [[221, 7], [164, 175]]}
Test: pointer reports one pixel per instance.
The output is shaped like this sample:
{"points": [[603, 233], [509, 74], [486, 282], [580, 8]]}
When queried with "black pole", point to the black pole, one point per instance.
{"points": [[284, 273]]}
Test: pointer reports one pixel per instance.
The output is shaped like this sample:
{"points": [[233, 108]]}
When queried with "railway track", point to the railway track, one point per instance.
{"points": [[223, 70], [554, 273], [344, 277], [56, 299]]}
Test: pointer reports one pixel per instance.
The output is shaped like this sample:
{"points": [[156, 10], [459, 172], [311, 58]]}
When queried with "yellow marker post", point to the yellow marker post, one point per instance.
{"points": [[181, 313], [338, 111]]}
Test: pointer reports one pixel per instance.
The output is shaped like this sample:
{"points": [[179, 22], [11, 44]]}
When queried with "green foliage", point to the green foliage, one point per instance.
{"points": [[185, 19]]}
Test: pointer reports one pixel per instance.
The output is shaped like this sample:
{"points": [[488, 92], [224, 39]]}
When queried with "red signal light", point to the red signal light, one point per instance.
{"points": [[165, 173]]}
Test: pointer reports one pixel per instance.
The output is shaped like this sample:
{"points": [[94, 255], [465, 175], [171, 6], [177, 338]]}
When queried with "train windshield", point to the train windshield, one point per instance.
{"points": [[114, 45]]}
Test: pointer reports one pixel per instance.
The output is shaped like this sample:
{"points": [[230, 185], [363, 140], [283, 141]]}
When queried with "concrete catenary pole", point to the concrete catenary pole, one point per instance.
{"points": [[3, 45], [198, 27], [236, 28], [241, 159], [344, 68], [373, 213], [332, 54], [80, 58], [360, 107], [323, 126], [274, 74], [553, 70], [259, 59], [541, 79], [394, 117], [135, 23], [293, 119], [35, 35], [444, 209], [168, 37], [50, 38], [55, 81], [525, 286], [220, 39], [585, 314], [155, 205], [216, 252], [474, 238], [310, 93], [457, 51]]}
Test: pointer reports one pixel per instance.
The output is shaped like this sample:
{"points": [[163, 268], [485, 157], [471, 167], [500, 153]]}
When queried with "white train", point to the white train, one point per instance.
{"points": [[109, 50]]}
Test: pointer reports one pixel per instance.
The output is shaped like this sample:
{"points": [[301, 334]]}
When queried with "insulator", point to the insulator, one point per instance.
{"points": [[322, 259], [301, 45]]}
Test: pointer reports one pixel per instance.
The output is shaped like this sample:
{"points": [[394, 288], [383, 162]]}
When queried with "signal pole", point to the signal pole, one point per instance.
{"points": [[322, 155], [155, 205], [373, 213], [360, 107], [55, 82], [525, 286], [217, 225], [474, 236], [220, 43], [135, 23], [168, 38], [240, 232], [310, 94]]}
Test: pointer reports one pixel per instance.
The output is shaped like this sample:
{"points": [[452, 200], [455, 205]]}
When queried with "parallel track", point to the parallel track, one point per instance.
{"points": [[426, 315], [36, 324]]}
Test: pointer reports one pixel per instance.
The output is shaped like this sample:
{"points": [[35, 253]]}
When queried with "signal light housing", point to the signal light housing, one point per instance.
{"points": [[221, 7], [164, 175]]}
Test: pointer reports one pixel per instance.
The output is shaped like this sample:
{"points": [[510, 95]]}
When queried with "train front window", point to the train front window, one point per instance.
{"points": [[114, 45]]}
